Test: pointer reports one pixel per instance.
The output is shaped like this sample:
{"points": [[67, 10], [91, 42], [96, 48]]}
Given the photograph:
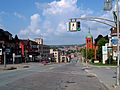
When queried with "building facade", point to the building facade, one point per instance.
{"points": [[39, 41], [56, 55]]}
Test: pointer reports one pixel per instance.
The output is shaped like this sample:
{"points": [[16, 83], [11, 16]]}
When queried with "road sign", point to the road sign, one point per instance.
{"points": [[114, 41], [0, 51], [7, 50]]}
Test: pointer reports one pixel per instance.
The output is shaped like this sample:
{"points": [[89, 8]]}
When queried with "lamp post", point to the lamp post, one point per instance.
{"points": [[118, 73]]}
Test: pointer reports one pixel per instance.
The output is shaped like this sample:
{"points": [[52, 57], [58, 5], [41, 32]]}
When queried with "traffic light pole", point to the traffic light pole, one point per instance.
{"points": [[97, 19]]}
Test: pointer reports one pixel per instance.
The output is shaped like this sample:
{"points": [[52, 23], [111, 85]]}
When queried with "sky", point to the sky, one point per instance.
{"points": [[47, 19]]}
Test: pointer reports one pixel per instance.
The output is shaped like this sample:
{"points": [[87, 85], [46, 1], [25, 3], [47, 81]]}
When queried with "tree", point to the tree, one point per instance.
{"points": [[90, 53], [100, 43], [16, 38]]}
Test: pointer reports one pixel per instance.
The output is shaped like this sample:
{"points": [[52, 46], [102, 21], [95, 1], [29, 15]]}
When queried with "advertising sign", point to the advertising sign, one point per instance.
{"points": [[104, 49]]}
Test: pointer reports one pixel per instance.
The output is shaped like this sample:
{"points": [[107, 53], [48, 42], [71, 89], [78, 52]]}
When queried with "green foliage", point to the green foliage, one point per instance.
{"points": [[70, 51], [90, 53], [109, 60], [100, 43], [101, 64], [83, 52]]}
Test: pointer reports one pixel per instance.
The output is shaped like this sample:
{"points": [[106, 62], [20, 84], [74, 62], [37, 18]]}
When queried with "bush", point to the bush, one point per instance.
{"points": [[93, 59], [109, 60]]}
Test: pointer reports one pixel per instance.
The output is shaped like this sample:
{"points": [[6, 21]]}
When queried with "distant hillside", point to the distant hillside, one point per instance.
{"points": [[66, 46]]}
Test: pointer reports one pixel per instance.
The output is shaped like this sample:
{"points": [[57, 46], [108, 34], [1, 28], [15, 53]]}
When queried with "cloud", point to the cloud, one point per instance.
{"points": [[61, 29], [62, 11], [19, 15], [41, 6], [33, 28], [55, 14]]}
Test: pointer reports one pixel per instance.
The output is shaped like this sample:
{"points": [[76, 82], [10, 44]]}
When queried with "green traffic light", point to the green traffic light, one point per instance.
{"points": [[78, 29]]}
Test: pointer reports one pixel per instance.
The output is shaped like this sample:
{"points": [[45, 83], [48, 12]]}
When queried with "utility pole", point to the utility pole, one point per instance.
{"points": [[86, 56], [118, 73]]}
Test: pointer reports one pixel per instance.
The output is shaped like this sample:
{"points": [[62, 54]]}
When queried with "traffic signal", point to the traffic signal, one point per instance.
{"points": [[73, 26], [78, 26]]}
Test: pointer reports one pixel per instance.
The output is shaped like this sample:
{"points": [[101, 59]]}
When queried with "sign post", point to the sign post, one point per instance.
{"points": [[4, 59], [13, 58], [104, 53]]}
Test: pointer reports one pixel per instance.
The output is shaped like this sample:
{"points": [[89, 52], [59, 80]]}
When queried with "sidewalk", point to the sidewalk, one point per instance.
{"points": [[13, 66], [105, 74]]}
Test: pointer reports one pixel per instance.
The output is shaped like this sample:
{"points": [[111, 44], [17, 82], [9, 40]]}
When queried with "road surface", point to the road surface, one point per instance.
{"points": [[69, 76]]}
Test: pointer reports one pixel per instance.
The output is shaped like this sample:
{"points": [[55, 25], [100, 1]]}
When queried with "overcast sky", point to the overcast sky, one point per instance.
{"points": [[47, 19]]}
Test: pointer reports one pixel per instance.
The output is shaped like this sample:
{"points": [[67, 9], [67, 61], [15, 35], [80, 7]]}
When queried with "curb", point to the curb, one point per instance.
{"points": [[14, 67]]}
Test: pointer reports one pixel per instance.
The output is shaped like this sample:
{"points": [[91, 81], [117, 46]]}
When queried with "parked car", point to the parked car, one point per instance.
{"points": [[44, 61]]}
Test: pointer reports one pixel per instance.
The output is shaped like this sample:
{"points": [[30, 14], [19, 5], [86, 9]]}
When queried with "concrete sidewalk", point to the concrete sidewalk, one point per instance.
{"points": [[13, 66], [106, 75]]}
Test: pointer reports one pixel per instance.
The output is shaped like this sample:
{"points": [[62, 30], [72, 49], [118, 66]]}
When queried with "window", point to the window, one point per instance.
{"points": [[89, 41]]}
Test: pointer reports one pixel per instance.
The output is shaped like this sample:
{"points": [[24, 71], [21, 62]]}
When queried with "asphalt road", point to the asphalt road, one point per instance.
{"points": [[69, 76]]}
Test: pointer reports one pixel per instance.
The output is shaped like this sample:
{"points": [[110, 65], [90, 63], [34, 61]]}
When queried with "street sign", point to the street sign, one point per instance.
{"points": [[0, 51], [30, 56], [7, 50], [114, 41]]}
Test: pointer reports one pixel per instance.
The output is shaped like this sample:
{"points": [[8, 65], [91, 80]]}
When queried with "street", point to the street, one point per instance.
{"points": [[64, 76]]}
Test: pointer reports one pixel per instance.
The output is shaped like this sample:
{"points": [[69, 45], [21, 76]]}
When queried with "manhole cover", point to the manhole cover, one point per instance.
{"points": [[70, 82], [90, 76]]}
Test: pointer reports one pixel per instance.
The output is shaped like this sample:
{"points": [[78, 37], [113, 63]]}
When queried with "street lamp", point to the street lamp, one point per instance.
{"points": [[108, 5]]}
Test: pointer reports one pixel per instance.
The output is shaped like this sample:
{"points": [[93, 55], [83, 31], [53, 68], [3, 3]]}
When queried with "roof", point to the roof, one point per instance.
{"points": [[27, 42], [4, 35], [89, 35], [24, 42]]}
